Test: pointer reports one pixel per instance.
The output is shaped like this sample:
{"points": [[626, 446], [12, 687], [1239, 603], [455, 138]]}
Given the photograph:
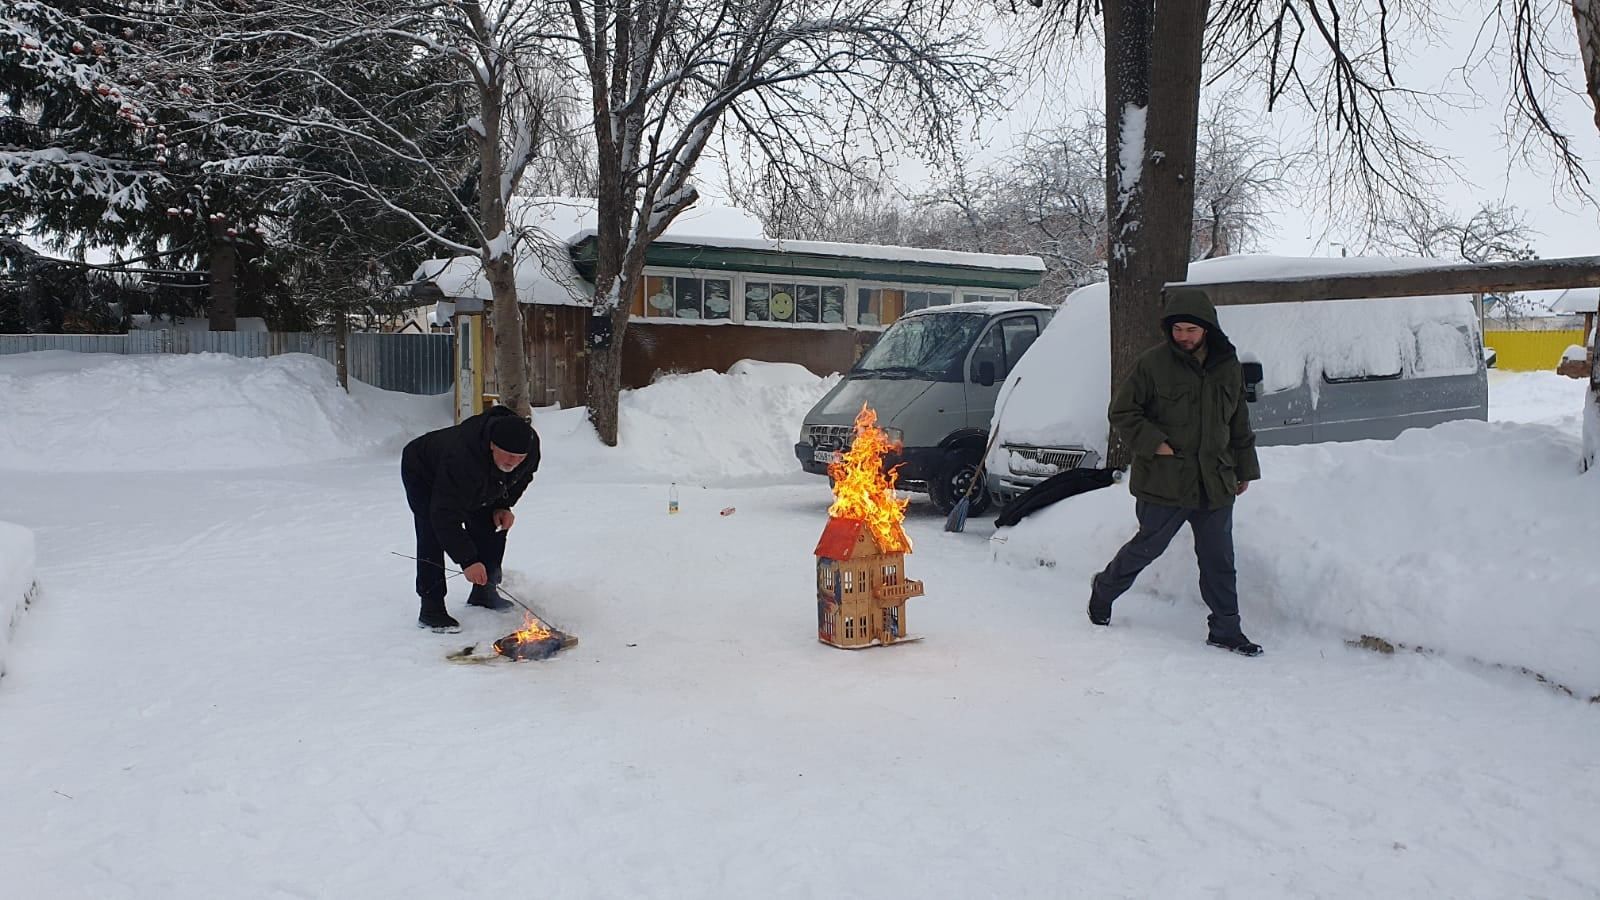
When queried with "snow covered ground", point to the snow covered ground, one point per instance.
{"points": [[221, 691], [16, 581]]}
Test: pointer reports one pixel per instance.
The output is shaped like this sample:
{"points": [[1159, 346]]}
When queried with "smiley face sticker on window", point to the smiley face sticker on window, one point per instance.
{"points": [[782, 305]]}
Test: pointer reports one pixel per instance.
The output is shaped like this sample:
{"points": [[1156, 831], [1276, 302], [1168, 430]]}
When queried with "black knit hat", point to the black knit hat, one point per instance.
{"points": [[1170, 321], [511, 433]]}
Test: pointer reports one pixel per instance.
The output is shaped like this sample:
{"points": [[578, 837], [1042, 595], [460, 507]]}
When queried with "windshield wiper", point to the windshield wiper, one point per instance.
{"points": [[893, 372]]}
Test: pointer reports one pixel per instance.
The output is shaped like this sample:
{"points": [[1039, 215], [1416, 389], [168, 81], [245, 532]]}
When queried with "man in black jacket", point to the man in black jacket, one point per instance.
{"points": [[461, 483]]}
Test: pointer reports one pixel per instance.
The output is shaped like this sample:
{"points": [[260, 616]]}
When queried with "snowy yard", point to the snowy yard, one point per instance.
{"points": [[220, 690]]}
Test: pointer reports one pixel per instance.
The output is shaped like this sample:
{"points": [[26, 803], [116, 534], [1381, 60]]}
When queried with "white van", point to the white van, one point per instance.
{"points": [[1339, 370]]}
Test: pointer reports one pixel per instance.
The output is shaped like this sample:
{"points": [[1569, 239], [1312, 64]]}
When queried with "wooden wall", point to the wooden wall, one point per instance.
{"points": [[665, 347], [558, 365]]}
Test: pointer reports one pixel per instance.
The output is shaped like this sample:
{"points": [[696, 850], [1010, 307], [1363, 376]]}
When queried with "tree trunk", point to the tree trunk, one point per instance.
{"points": [[510, 353], [341, 346], [223, 309], [1129, 27], [613, 205], [1586, 15], [510, 359], [1152, 113]]}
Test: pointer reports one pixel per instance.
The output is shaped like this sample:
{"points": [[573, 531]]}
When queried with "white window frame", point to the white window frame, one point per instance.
{"points": [[744, 278], [734, 297], [739, 279]]}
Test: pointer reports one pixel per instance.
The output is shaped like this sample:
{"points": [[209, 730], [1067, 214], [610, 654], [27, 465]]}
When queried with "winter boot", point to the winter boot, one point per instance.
{"points": [[434, 618], [1099, 613], [1238, 644], [487, 596]]}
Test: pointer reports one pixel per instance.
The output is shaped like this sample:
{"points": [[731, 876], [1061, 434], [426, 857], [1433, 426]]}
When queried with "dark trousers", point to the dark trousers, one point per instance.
{"points": [[1213, 549], [491, 544]]}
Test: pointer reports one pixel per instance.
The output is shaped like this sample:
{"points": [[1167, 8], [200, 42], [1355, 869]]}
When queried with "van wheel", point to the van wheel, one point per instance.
{"points": [[950, 484]]}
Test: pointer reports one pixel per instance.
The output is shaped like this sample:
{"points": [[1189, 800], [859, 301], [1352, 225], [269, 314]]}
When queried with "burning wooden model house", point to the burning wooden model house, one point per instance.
{"points": [[861, 585]]}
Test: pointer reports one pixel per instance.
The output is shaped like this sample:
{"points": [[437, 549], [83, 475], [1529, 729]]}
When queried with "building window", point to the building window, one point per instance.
{"points": [[685, 297], [968, 297], [891, 575], [849, 627], [849, 581], [916, 300], [879, 306], [791, 303]]}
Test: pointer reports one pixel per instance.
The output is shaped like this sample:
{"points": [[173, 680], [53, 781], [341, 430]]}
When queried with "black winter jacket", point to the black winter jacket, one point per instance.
{"points": [[453, 469]]}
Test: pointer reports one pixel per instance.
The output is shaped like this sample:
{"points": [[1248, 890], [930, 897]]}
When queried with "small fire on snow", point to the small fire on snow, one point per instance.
{"points": [[534, 640]]}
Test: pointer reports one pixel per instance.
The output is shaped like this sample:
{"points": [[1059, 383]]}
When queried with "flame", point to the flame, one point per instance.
{"points": [[532, 630], [863, 490]]}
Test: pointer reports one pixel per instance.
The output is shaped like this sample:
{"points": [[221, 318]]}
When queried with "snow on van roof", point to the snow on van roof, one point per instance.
{"points": [[1339, 338], [981, 307], [1577, 300]]}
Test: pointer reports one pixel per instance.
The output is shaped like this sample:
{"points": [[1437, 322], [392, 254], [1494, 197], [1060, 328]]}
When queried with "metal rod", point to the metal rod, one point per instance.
{"points": [[502, 591]]}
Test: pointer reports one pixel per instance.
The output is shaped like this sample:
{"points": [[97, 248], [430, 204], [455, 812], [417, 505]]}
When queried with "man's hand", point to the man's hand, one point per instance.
{"points": [[1243, 486], [503, 520], [1165, 450], [476, 573]]}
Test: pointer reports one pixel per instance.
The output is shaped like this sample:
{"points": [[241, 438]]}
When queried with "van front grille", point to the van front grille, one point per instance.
{"points": [[831, 437], [1045, 461]]}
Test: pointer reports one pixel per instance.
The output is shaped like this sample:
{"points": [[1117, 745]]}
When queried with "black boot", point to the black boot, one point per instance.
{"points": [[434, 618], [1238, 643], [1099, 613], [487, 597]]}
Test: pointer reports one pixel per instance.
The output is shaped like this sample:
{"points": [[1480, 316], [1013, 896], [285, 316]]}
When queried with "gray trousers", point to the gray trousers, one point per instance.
{"points": [[1213, 549]]}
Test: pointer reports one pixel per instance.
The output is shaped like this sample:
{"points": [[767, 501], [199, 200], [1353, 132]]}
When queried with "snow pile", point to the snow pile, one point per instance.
{"points": [[1536, 398], [1463, 538], [696, 428], [16, 580], [105, 412]]}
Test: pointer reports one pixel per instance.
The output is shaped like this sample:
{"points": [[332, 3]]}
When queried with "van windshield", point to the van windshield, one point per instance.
{"points": [[931, 346]]}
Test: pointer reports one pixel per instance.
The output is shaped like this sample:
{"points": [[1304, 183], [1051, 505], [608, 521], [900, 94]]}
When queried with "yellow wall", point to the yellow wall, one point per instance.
{"points": [[1531, 351]]}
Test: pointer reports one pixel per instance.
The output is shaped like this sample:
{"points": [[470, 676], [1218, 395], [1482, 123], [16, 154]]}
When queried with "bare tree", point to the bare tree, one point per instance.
{"points": [[796, 79], [853, 203], [1494, 232], [493, 56], [1241, 174]]}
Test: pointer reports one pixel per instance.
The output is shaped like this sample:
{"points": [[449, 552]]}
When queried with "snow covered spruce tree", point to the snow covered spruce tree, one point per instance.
{"points": [[792, 80], [100, 149]]}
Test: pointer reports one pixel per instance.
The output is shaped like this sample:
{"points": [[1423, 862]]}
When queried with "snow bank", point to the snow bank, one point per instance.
{"points": [[1536, 398], [106, 412], [16, 580], [697, 428], [1465, 538]]}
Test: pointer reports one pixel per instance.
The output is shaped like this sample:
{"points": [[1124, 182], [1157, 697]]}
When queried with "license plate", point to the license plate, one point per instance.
{"points": [[825, 456]]}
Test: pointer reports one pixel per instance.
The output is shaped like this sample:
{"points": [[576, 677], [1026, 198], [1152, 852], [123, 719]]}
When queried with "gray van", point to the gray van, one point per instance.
{"points": [[1344, 370], [932, 378]]}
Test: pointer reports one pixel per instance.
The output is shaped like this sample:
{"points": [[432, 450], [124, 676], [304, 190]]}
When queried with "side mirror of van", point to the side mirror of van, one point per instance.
{"points": [[986, 373], [1253, 375]]}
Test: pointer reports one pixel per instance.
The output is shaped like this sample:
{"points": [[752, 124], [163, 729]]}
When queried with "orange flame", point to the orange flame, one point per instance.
{"points": [[863, 490], [532, 630]]}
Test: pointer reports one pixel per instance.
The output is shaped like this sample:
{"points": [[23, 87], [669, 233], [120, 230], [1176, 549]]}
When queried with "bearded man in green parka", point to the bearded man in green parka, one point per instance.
{"points": [[1183, 414]]}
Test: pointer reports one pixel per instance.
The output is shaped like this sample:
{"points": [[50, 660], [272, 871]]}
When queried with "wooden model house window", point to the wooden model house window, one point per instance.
{"points": [[891, 575], [849, 627], [849, 582]]}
